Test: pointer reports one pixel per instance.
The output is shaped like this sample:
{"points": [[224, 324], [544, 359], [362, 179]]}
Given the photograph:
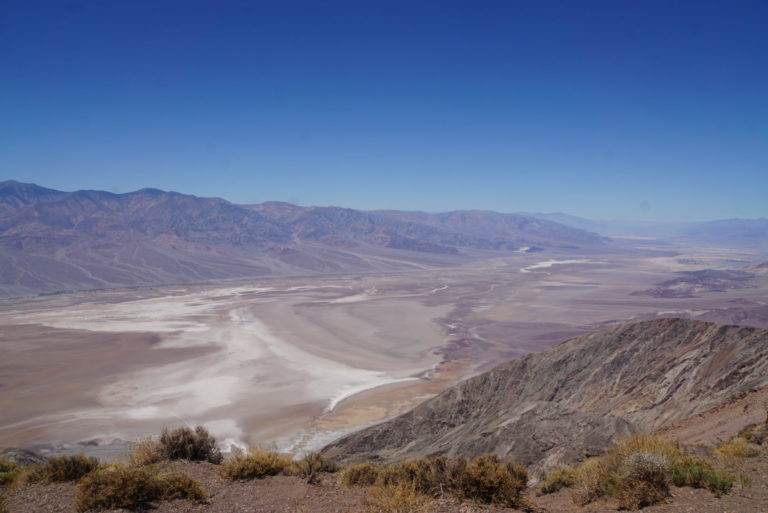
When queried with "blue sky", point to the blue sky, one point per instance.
{"points": [[647, 109]]}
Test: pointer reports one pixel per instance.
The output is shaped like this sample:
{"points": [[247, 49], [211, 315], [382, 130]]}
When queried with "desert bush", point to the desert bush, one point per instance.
{"points": [[121, 486], [634, 470], [58, 469], [145, 451], [430, 476], [185, 444], [311, 466], [734, 451], [563, 477], [396, 498], [254, 464], [362, 474], [639, 470], [591, 481], [117, 486], [756, 435], [643, 480], [178, 485], [701, 473], [485, 479], [9, 471]]}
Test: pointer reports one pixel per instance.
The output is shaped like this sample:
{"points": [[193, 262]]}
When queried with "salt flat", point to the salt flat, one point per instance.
{"points": [[296, 362]]}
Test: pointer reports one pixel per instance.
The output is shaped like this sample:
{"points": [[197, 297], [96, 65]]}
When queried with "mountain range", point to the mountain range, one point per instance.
{"points": [[55, 241], [739, 233]]}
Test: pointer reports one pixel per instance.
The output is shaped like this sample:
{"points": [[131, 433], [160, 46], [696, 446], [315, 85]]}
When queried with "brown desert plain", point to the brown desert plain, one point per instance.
{"points": [[294, 363]]}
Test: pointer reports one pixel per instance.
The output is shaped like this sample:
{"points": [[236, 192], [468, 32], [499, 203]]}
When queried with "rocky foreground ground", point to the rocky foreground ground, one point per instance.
{"points": [[284, 494]]}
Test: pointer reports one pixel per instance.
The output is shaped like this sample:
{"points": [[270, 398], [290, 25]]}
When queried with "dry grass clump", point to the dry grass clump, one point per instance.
{"points": [[312, 466], [396, 498], [144, 451], [484, 479], [362, 474], [121, 486], [185, 444], [563, 477], [182, 443], [736, 450], [255, 464], [57, 469], [639, 471], [9, 471]]}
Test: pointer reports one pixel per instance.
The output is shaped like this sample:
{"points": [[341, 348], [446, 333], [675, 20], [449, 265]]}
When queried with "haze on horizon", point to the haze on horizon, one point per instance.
{"points": [[601, 109]]}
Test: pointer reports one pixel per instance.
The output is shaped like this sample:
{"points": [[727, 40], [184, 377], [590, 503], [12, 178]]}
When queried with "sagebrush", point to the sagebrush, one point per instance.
{"points": [[122, 486]]}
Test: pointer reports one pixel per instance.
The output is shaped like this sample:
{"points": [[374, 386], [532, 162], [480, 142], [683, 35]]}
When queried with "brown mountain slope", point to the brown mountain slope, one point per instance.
{"points": [[573, 399], [59, 241]]}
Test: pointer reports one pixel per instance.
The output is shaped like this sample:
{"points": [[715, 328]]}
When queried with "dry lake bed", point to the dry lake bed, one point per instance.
{"points": [[295, 363]]}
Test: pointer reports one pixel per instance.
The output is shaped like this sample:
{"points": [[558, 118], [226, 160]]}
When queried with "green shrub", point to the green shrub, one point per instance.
{"points": [[254, 464], [720, 483], [122, 486], [563, 477], [185, 444]]}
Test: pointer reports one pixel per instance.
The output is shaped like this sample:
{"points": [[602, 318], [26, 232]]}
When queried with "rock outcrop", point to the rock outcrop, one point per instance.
{"points": [[574, 399]]}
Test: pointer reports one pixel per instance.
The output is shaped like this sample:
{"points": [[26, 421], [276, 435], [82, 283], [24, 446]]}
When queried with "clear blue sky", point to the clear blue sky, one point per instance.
{"points": [[607, 109]]}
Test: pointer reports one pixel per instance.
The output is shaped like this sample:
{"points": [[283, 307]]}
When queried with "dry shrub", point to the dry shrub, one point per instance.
{"points": [[396, 498], [487, 480], [145, 451], [756, 435], [122, 486], [255, 464], [362, 474], [484, 479], [734, 451], [311, 466], [639, 470], [185, 444], [563, 477], [635, 471], [58, 469], [643, 480], [9, 471], [178, 485], [591, 481]]}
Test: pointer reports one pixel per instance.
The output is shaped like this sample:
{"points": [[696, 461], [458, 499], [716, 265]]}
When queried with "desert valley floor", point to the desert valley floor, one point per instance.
{"points": [[294, 363]]}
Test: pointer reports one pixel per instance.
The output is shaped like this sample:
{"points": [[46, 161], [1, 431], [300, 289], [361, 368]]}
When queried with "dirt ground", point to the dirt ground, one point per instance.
{"points": [[283, 494]]}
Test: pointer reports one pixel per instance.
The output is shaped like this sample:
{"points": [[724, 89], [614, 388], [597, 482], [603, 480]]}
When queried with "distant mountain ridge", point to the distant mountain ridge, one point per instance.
{"points": [[574, 399], [52, 240], [748, 233]]}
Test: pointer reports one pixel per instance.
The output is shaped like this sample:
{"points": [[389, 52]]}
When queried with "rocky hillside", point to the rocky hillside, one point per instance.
{"points": [[53, 241], [574, 399]]}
